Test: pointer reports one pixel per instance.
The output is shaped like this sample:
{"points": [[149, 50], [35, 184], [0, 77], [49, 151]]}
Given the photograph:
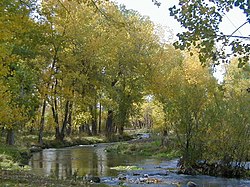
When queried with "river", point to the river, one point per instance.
{"points": [[95, 161]]}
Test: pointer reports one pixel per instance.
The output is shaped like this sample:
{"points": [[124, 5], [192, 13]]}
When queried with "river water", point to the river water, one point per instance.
{"points": [[95, 161]]}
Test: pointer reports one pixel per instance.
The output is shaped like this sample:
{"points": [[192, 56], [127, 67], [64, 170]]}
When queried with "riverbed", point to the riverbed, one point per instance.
{"points": [[95, 161]]}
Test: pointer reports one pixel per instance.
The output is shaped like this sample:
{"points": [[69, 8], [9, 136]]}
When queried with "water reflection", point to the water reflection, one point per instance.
{"points": [[81, 160]]}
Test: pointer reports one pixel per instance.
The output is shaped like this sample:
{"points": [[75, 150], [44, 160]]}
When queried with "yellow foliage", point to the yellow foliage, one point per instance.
{"points": [[237, 80], [81, 118], [184, 91], [158, 116], [10, 114]]}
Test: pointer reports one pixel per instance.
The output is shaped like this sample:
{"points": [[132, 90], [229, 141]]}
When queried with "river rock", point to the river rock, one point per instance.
{"points": [[136, 174], [153, 181], [122, 177], [35, 149], [191, 184], [93, 179], [164, 173], [143, 179], [145, 175]]}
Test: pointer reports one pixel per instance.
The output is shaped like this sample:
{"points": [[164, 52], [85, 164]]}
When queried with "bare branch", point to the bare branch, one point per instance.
{"points": [[241, 37], [238, 29], [235, 36], [231, 35]]}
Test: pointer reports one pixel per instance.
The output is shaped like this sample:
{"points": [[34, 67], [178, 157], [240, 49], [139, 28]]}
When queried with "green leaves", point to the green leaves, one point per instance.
{"points": [[202, 20]]}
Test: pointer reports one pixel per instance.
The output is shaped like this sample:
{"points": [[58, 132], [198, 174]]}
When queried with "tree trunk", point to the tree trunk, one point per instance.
{"points": [[10, 137], [123, 115], [93, 120], [100, 117], [40, 136], [121, 130], [69, 128], [65, 121], [87, 129], [164, 140], [55, 116], [94, 127], [122, 121], [95, 116], [2, 132], [55, 112], [109, 124], [81, 129]]}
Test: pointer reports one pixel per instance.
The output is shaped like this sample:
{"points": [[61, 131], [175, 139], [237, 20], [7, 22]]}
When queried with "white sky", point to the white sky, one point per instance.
{"points": [[231, 21], [157, 15]]}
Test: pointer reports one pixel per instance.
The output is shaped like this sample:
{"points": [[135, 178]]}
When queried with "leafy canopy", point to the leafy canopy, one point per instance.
{"points": [[201, 19]]}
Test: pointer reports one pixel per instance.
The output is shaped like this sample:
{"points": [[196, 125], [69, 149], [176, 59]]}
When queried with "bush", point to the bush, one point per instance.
{"points": [[11, 158]]}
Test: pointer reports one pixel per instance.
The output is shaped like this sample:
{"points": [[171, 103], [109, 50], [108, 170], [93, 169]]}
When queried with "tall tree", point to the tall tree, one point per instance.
{"points": [[17, 45], [129, 72], [185, 93]]}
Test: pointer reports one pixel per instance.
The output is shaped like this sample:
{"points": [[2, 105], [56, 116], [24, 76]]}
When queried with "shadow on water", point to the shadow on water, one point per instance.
{"points": [[94, 160]]}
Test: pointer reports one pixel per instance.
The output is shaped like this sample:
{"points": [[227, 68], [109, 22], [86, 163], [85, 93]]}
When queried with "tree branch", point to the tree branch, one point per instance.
{"points": [[238, 28], [235, 36], [231, 35], [99, 10], [64, 7]]}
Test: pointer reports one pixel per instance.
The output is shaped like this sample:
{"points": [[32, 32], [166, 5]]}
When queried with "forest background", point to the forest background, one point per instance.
{"points": [[76, 68]]}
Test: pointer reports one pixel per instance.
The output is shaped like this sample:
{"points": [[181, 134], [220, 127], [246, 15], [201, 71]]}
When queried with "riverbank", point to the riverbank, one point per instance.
{"points": [[152, 148], [25, 178], [14, 170], [49, 141]]}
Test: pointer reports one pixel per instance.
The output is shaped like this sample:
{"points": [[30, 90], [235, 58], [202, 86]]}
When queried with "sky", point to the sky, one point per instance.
{"points": [[159, 15], [231, 20]]}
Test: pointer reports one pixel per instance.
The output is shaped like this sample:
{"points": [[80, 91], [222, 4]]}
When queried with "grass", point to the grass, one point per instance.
{"points": [[6, 163], [74, 140], [11, 151], [152, 149], [168, 154], [13, 158], [23, 178], [81, 139], [126, 168]]}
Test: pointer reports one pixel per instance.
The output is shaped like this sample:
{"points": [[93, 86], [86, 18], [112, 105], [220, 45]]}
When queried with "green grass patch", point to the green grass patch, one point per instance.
{"points": [[126, 168], [12, 157], [73, 141], [151, 149], [95, 139], [168, 154], [27, 140], [6, 163], [11, 151]]}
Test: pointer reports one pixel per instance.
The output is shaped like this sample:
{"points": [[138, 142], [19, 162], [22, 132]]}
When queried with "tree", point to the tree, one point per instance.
{"points": [[201, 19], [224, 118], [185, 93], [17, 43], [226, 122], [80, 48], [135, 49], [166, 60]]}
